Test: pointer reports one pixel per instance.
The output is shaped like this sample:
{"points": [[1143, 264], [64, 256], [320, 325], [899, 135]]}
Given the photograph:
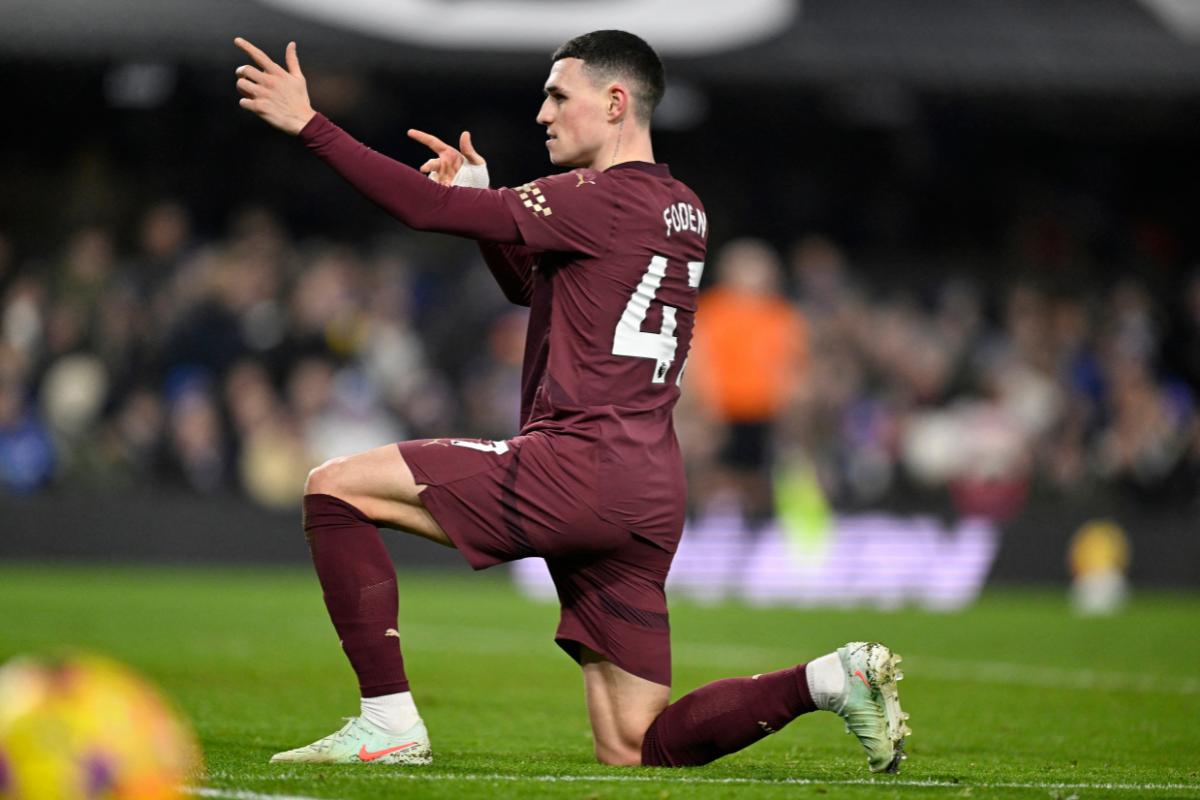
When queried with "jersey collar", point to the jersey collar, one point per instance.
{"points": [[657, 170]]}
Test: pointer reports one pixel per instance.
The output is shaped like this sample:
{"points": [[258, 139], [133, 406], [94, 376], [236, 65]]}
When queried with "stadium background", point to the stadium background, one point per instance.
{"points": [[983, 215]]}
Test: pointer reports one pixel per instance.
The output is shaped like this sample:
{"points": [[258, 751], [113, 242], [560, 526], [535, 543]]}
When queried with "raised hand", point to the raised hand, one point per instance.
{"points": [[447, 161], [278, 95]]}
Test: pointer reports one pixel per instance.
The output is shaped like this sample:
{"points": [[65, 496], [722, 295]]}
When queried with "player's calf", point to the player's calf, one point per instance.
{"points": [[858, 683], [724, 717]]}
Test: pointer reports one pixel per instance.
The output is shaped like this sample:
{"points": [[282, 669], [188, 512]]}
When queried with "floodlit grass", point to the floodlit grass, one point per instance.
{"points": [[1014, 698]]}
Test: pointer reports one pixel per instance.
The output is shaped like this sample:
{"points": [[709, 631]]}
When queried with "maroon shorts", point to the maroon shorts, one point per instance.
{"points": [[502, 501]]}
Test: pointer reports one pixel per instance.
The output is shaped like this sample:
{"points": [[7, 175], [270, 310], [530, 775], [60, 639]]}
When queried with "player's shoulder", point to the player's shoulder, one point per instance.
{"points": [[683, 191], [647, 184], [659, 184], [578, 189], [575, 179]]}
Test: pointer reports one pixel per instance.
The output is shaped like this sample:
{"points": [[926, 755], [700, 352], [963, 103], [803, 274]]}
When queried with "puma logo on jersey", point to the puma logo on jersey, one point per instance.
{"points": [[582, 180], [533, 199], [681, 217]]}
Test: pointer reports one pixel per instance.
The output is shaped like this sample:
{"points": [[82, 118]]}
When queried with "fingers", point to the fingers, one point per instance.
{"points": [[250, 73], [247, 88], [262, 59], [428, 139], [468, 150], [435, 169], [293, 61]]}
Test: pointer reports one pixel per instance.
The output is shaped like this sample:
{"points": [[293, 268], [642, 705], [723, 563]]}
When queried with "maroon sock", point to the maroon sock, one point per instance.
{"points": [[725, 716], [359, 581]]}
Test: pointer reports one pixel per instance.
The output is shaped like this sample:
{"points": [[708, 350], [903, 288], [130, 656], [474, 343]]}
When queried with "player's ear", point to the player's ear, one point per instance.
{"points": [[618, 102]]}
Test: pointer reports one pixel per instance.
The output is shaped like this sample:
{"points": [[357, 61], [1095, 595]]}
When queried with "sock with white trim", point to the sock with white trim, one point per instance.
{"points": [[394, 713], [827, 682]]}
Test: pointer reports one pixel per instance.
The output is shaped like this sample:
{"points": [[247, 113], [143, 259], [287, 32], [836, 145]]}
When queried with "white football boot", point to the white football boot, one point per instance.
{"points": [[361, 742], [872, 703]]}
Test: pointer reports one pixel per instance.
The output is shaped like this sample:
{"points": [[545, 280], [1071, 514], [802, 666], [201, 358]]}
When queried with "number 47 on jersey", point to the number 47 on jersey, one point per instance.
{"points": [[630, 340]]}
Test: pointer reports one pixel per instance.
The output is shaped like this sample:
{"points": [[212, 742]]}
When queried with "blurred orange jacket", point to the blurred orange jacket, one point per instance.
{"points": [[749, 354]]}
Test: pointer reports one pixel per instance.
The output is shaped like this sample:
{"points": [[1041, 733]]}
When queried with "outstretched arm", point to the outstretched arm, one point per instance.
{"points": [[280, 97]]}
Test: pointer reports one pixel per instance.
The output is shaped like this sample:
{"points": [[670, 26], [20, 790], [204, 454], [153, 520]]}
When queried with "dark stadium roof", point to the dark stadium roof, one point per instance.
{"points": [[1051, 45]]}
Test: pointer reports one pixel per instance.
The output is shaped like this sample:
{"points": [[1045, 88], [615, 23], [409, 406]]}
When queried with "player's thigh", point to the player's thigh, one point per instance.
{"points": [[380, 484], [621, 707], [380, 473]]}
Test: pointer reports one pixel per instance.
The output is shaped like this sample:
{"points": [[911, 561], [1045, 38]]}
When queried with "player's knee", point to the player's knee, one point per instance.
{"points": [[325, 479], [623, 748], [618, 754]]}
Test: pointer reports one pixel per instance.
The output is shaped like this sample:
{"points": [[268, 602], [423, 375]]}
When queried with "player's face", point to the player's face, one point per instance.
{"points": [[575, 113]]}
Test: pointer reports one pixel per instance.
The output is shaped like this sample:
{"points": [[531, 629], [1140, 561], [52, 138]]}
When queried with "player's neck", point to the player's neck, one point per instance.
{"points": [[631, 143]]}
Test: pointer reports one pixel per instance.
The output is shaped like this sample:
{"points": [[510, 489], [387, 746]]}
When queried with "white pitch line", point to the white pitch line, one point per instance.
{"points": [[234, 794], [1055, 678], [239, 794]]}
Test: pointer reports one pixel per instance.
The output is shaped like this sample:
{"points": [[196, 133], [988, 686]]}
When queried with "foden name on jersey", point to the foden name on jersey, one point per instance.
{"points": [[681, 217]]}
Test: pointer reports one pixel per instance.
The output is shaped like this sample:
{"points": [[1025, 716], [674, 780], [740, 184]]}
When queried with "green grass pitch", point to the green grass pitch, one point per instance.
{"points": [[1013, 698]]}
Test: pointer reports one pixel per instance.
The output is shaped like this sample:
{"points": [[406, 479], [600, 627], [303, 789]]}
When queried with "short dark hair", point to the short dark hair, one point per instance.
{"points": [[610, 53]]}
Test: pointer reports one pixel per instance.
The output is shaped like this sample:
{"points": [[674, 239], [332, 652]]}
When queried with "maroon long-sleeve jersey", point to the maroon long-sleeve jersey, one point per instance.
{"points": [[609, 263]]}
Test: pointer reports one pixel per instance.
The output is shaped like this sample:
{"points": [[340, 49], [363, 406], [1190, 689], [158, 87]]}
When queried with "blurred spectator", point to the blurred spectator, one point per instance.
{"points": [[163, 236], [1148, 434], [7, 263], [132, 441], [272, 459], [87, 267], [820, 276], [338, 411], [492, 392], [198, 455], [27, 457], [23, 318], [1183, 347]]}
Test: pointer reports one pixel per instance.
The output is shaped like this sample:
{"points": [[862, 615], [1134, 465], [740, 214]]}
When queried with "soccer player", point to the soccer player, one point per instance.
{"points": [[608, 256]]}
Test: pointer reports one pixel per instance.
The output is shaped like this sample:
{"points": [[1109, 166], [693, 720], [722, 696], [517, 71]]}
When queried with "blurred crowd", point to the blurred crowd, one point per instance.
{"points": [[237, 363], [981, 396]]}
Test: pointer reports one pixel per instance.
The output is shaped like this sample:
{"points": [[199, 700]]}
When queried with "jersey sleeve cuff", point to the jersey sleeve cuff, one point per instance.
{"points": [[313, 129]]}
